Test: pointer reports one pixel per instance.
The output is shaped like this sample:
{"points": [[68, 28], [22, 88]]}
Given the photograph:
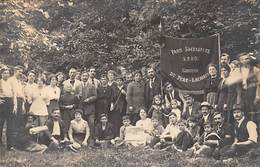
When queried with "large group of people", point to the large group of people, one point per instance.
{"points": [[46, 112]]}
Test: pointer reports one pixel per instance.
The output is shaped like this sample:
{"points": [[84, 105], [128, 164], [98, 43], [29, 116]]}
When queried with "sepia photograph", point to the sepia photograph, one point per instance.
{"points": [[129, 83]]}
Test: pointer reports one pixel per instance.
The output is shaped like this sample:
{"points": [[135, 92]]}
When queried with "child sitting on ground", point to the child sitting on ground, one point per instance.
{"points": [[156, 132], [103, 132], [118, 141], [169, 134], [207, 142], [183, 140], [194, 129]]}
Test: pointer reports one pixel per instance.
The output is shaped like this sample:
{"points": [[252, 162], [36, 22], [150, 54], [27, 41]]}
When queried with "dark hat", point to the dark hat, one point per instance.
{"points": [[205, 103], [172, 113], [18, 67], [186, 95], [103, 115], [4, 69], [236, 107], [167, 83], [78, 111]]}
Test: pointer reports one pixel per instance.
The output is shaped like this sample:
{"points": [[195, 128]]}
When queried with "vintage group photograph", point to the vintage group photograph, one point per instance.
{"points": [[129, 83]]}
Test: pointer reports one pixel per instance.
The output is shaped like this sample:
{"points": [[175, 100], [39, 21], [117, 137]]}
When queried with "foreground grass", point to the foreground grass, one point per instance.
{"points": [[112, 157]]}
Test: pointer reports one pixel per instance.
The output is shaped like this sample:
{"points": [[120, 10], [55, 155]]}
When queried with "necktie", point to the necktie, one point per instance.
{"points": [[93, 81]]}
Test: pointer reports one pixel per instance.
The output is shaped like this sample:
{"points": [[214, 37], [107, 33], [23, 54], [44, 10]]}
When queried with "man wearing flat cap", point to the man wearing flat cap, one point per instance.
{"points": [[205, 109]]}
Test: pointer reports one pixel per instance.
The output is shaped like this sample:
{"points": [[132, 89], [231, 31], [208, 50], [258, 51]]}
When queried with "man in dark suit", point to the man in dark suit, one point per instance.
{"points": [[225, 132], [88, 99], [191, 108], [171, 94], [152, 87]]}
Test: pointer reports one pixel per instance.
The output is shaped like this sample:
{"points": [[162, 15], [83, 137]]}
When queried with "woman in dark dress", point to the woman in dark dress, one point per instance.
{"points": [[118, 107], [135, 97], [211, 86]]}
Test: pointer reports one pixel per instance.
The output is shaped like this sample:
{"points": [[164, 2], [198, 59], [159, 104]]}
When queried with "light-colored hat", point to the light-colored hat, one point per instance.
{"points": [[205, 104]]}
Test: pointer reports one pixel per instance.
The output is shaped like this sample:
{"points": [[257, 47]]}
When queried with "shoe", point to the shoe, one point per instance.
{"points": [[11, 149]]}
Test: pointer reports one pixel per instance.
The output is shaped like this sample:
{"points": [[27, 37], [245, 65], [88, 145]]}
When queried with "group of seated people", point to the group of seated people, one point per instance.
{"points": [[125, 108]]}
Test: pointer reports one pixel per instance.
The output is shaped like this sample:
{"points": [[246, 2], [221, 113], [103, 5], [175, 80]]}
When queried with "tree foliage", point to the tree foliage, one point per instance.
{"points": [[57, 34]]}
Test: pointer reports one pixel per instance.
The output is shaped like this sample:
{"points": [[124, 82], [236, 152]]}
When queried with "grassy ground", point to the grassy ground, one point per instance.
{"points": [[112, 157]]}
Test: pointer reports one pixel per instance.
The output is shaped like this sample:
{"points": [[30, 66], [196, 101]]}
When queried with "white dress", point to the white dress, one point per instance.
{"points": [[39, 105]]}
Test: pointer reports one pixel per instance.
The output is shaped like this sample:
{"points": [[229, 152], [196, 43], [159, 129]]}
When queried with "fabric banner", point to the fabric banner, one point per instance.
{"points": [[184, 62]]}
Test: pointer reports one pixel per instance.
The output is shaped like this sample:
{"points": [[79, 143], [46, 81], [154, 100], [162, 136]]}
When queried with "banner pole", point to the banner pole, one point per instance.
{"points": [[219, 54]]}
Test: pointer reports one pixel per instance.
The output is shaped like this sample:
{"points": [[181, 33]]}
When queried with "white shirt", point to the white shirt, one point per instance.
{"points": [[7, 88], [56, 128], [28, 89], [53, 93], [245, 74], [206, 118], [76, 84], [251, 128], [172, 130], [177, 112], [17, 87], [145, 124]]}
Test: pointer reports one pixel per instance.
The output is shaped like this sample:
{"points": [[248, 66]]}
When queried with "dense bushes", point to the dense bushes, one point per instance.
{"points": [[56, 34]]}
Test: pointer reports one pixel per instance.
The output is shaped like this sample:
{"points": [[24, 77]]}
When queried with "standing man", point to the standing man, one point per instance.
{"points": [[17, 86], [92, 80], [88, 99], [224, 59], [152, 87], [250, 84], [75, 84], [8, 109]]}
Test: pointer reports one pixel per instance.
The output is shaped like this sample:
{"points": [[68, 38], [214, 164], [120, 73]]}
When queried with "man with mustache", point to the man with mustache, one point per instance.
{"points": [[245, 134]]}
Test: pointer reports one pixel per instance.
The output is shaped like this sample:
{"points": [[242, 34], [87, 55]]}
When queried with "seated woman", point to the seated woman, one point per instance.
{"points": [[144, 123], [79, 129], [103, 132], [26, 140]]}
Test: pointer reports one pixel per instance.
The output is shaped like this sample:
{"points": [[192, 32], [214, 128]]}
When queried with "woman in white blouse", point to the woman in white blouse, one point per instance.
{"points": [[38, 98], [79, 129], [53, 92]]}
